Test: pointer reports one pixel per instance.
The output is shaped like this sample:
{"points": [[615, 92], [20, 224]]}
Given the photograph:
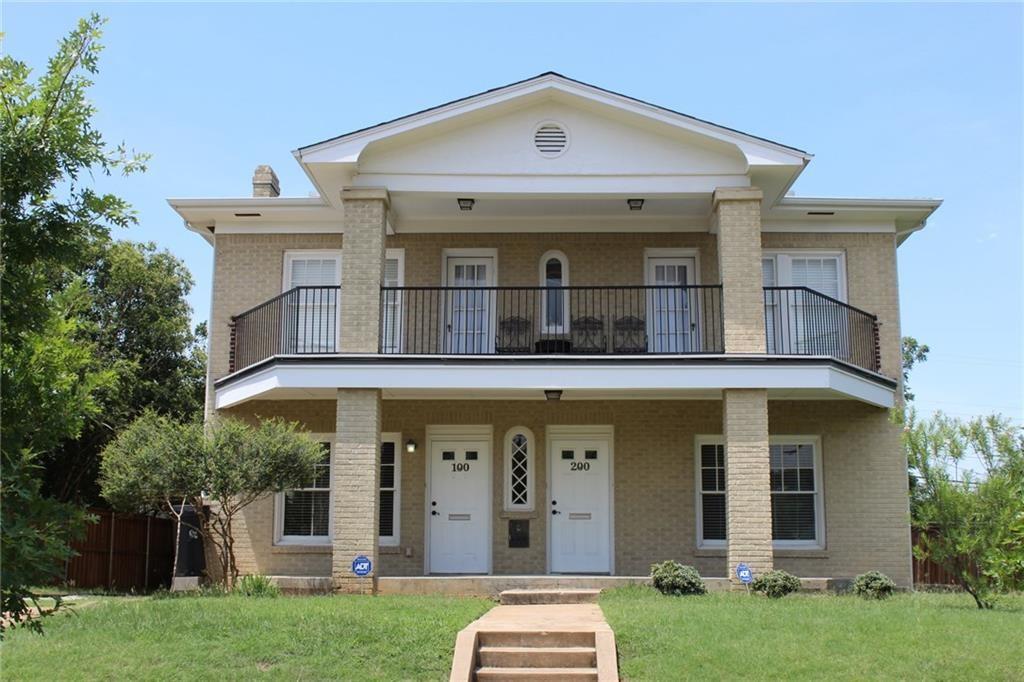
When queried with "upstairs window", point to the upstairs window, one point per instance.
{"points": [[519, 446], [554, 275], [311, 315]]}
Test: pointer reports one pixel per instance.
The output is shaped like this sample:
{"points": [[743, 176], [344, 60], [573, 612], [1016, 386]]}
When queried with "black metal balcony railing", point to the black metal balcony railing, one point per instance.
{"points": [[301, 320], [801, 321], [551, 320]]}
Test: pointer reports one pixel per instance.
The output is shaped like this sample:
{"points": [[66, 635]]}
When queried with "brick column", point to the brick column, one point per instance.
{"points": [[355, 468], [362, 268], [737, 220], [747, 483]]}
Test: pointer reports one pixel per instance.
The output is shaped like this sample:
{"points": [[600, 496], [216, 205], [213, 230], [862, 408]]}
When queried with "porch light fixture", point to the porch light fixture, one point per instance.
{"points": [[553, 394], [466, 204], [635, 204], [410, 446]]}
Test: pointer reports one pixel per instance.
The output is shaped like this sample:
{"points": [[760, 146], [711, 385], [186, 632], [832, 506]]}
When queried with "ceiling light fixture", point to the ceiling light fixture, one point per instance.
{"points": [[466, 204], [553, 394], [635, 204]]}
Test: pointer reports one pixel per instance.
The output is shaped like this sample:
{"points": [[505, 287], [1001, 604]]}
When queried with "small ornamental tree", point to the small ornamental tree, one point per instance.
{"points": [[972, 527], [160, 464]]}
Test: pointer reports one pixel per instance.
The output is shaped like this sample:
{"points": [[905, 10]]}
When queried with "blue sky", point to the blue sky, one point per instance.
{"points": [[893, 100]]}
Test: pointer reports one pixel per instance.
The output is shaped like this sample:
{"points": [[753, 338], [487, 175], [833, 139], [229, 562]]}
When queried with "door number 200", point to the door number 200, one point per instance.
{"points": [[579, 466], [460, 466]]}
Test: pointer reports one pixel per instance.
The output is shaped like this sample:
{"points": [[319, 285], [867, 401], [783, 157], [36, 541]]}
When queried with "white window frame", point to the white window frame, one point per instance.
{"points": [[291, 255], [819, 492], [783, 259], [531, 473], [394, 539], [699, 441], [564, 260], [398, 255], [280, 539]]}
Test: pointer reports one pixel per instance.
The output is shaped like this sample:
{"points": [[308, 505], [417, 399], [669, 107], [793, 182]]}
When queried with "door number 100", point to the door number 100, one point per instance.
{"points": [[460, 466], [579, 466]]}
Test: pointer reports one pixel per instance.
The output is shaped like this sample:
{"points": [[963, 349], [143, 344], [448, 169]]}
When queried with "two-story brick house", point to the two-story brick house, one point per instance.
{"points": [[551, 329]]}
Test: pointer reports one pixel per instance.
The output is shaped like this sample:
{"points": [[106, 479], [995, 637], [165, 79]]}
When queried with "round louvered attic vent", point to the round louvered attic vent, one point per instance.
{"points": [[550, 139]]}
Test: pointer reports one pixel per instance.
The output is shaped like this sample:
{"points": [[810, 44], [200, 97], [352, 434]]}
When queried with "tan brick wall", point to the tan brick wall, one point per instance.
{"points": [[748, 495], [594, 259], [248, 269], [864, 480], [737, 220], [355, 476], [872, 281], [362, 270]]}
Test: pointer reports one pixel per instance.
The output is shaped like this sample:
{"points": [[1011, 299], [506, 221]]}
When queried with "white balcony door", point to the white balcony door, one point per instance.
{"points": [[310, 314], [393, 301], [669, 316], [800, 322], [469, 314]]}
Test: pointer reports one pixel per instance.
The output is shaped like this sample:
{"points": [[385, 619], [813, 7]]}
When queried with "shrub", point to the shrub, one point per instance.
{"points": [[873, 585], [257, 586], [671, 577], [776, 584]]}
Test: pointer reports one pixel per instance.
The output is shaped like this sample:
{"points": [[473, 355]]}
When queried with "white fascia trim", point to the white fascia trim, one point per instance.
{"points": [[858, 202], [538, 377], [552, 184], [347, 148]]}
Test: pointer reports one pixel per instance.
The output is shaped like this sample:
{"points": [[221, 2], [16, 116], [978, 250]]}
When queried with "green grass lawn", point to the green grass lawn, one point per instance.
{"points": [[735, 636], [239, 638]]}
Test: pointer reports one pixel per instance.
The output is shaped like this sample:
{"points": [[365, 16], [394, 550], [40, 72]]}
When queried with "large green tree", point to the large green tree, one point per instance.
{"points": [[53, 227], [140, 326]]}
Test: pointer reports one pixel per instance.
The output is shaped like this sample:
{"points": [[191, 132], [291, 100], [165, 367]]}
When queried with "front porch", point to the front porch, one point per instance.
{"points": [[834, 494]]}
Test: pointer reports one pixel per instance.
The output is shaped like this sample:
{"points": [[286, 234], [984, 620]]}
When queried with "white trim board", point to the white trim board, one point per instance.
{"points": [[671, 378]]}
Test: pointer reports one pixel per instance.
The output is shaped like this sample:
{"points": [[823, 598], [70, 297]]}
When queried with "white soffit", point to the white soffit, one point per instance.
{"points": [[825, 214]]}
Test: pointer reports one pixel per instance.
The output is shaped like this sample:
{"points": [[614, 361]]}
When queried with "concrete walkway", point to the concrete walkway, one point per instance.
{"points": [[537, 642]]}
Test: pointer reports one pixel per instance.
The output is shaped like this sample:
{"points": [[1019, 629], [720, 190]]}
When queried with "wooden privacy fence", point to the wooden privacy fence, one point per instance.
{"points": [[926, 571], [123, 552]]}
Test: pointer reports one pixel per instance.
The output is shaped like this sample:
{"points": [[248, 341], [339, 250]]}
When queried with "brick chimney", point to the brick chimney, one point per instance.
{"points": [[264, 182]]}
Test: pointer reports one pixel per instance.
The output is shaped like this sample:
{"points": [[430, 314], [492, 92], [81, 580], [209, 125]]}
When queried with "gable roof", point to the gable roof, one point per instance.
{"points": [[554, 81], [548, 75]]}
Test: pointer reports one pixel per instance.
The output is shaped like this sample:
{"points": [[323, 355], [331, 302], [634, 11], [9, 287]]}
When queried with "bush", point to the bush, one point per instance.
{"points": [[776, 584], [873, 585], [257, 586], [671, 577]]}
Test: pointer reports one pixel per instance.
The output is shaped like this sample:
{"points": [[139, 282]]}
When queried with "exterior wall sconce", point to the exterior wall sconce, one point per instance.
{"points": [[410, 446], [635, 204], [553, 394], [466, 204]]}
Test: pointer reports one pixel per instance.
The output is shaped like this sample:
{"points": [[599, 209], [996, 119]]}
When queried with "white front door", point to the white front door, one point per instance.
{"points": [[669, 310], [580, 505], [468, 308], [458, 507]]}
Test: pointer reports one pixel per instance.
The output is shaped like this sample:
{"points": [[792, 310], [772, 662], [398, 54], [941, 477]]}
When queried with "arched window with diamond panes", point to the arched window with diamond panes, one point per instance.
{"points": [[519, 446]]}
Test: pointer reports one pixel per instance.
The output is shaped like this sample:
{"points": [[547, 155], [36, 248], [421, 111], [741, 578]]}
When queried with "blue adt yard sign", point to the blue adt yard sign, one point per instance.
{"points": [[744, 573], [362, 566]]}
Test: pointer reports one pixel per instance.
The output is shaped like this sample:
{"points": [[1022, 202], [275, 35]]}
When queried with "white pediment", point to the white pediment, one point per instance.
{"points": [[597, 144]]}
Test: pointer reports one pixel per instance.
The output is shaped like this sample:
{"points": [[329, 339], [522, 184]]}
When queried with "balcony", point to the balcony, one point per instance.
{"points": [[563, 321], [802, 321], [551, 320]]}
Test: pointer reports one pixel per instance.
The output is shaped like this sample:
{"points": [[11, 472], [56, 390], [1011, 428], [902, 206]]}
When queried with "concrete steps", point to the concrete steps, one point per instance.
{"points": [[549, 596], [535, 674], [537, 657]]}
